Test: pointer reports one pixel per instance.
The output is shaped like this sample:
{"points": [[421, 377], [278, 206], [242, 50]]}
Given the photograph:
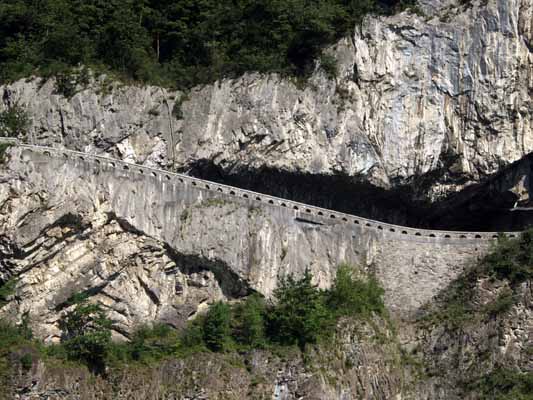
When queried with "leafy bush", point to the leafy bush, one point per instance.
{"points": [[507, 384], [86, 333], [7, 289], [153, 343], [67, 80], [26, 361], [328, 63], [14, 121], [502, 304], [192, 337], [13, 338]]}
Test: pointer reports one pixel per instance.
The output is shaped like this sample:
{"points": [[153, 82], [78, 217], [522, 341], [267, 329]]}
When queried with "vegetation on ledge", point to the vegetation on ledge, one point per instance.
{"points": [[301, 315], [178, 43], [510, 262], [14, 121], [506, 384]]}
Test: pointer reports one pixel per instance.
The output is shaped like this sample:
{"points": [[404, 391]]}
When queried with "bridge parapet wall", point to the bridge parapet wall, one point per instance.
{"points": [[299, 209]]}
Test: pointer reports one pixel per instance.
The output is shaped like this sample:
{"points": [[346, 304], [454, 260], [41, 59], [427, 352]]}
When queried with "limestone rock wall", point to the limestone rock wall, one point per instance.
{"points": [[445, 93], [152, 248]]}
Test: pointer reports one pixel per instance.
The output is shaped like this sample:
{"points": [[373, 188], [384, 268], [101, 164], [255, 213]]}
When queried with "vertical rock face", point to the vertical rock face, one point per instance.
{"points": [[153, 248], [131, 121], [414, 94], [445, 94]]}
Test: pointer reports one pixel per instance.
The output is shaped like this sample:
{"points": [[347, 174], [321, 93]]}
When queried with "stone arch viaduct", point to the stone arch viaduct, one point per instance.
{"points": [[254, 236]]}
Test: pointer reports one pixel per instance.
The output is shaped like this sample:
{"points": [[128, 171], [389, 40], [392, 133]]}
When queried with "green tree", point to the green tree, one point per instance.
{"points": [[250, 321], [86, 333], [300, 315], [217, 328]]}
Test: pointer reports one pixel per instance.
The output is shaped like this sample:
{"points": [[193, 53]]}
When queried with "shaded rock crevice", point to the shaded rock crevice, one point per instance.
{"points": [[499, 203]]}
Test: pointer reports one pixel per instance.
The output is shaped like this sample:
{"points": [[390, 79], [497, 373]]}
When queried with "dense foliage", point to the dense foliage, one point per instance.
{"points": [[249, 321], [216, 327], [176, 42], [352, 296], [6, 290], [14, 339], [300, 315]]}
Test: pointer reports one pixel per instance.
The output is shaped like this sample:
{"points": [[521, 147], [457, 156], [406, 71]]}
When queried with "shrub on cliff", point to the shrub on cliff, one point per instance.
{"points": [[300, 315], [14, 121], [12, 338], [352, 296], [216, 327], [7, 289], [86, 333], [512, 259], [153, 343], [506, 384]]}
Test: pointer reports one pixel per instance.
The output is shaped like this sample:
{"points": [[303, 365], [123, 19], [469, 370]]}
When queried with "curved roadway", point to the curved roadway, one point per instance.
{"points": [[300, 209]]}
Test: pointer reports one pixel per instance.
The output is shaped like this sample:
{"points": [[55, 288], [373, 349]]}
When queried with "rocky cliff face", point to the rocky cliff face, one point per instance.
{"points": [[427, 102], [424, 106], [494, 336], [152, 248]]}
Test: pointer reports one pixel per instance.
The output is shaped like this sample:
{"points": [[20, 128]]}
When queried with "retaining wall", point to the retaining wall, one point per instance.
{"points": [[299, 209], [253, 237]]}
